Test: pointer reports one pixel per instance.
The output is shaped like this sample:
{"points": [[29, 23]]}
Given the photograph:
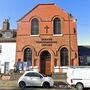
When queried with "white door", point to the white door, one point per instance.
{"points": [[6, 67]]}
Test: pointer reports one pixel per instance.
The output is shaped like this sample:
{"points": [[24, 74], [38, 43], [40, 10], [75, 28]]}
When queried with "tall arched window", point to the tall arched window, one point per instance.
{"points": [[64, 57], [57, 26], [28, 56], [34, 26]]}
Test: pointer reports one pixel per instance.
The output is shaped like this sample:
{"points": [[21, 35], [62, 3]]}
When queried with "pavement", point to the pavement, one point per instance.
{"points": [[8, 85], [12, 84]]}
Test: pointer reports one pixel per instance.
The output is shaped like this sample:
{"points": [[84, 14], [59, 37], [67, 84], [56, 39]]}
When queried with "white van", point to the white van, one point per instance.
{"points": [[79, 77]]}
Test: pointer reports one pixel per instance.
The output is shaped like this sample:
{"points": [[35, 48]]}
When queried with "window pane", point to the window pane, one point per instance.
{"points": [[64, 57], [29, 74], [36, 75], [34, 27], [57, 26], [28, 56]]}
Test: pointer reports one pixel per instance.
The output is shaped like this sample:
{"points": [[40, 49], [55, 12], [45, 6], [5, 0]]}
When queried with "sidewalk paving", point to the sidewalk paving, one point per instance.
{"points": [[8, 85], [9, 88]]}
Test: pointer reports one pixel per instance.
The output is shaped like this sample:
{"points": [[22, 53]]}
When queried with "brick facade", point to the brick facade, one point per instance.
{"points": [[46, 40]]}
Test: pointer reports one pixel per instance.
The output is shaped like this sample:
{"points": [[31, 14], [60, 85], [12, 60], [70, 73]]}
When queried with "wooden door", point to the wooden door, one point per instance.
{"points": [[42, 66], [45, 67], [45, 63], [48, 67]]}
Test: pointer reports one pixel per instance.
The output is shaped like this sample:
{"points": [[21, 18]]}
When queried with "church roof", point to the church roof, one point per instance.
{"points": [[51, 4]]}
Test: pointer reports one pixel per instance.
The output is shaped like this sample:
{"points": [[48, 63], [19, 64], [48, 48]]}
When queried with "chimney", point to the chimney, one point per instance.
{"points": [[6, 25]]}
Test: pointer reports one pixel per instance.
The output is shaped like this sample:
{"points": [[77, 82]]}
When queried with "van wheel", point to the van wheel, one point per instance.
{"points": [[22, 85], [46, 85], [79, 86]]}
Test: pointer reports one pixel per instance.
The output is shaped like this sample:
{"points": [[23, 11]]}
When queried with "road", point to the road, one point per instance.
{"points": [[35, 88], [44, 89], [56, 87], [12, 85]]}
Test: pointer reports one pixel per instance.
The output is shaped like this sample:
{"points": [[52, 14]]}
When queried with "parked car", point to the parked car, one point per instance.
{"points": [[79, 77], [31, 78]]}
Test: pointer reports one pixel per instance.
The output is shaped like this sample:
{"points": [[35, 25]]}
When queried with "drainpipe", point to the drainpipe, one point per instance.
{"points": [[76, 41], [69, 41]]}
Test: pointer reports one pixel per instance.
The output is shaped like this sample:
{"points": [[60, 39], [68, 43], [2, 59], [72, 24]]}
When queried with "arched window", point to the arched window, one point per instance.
{"points": [[28, 56], [64, 57], [57, 26], [34, 26]]}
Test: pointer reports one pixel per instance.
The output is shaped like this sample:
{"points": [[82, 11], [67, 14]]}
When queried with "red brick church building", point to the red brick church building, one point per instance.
{"points": [[47, 39]]}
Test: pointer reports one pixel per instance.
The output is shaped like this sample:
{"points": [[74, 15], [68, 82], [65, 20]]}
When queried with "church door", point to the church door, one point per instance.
{"points": [[45, 63]]}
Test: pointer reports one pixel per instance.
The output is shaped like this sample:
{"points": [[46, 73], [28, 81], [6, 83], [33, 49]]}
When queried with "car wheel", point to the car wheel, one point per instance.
{"points": [[46, 85], [79, 86], [22, 84]]}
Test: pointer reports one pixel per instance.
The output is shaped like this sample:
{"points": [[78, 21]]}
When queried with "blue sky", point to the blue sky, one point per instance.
{"points": [[15, 9]]}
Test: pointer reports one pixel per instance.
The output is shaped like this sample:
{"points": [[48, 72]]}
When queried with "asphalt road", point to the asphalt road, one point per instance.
{"points": [[12, 85], [35, 88], [45, 89]]}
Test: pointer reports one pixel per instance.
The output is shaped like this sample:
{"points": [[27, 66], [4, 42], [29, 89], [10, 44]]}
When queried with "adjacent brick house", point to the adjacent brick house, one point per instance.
{"points": [[47, 39]]}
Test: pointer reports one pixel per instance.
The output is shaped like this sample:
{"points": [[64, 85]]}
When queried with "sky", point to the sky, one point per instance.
{"points": [[15, 9]]}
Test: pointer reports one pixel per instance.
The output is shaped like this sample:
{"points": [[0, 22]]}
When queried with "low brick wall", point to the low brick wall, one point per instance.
{"points": [[59, 76], [15, 76], [10, 76], [5, 77]]}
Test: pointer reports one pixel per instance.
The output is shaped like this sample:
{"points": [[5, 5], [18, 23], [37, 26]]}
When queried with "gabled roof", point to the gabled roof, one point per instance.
{"points": [[34, 9]]}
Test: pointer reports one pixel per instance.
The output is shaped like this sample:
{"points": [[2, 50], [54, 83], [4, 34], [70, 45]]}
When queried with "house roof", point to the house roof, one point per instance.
{"points": [[3, 40]]}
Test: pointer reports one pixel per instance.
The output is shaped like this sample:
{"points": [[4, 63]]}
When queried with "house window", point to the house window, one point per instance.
{"points": [[57, 26], [64, 57], [28, 56], [0, 48], [34, 27]]}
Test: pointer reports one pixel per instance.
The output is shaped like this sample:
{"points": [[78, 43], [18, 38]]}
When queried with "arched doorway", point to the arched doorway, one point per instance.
{"points": [[45, 63]]}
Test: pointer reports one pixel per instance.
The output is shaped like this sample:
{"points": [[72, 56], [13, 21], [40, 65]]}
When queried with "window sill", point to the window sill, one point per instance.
{"points": [[57, 34]]}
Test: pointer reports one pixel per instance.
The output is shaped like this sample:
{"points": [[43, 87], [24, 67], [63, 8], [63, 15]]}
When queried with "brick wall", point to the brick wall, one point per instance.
{"points": [[46, 14]]}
